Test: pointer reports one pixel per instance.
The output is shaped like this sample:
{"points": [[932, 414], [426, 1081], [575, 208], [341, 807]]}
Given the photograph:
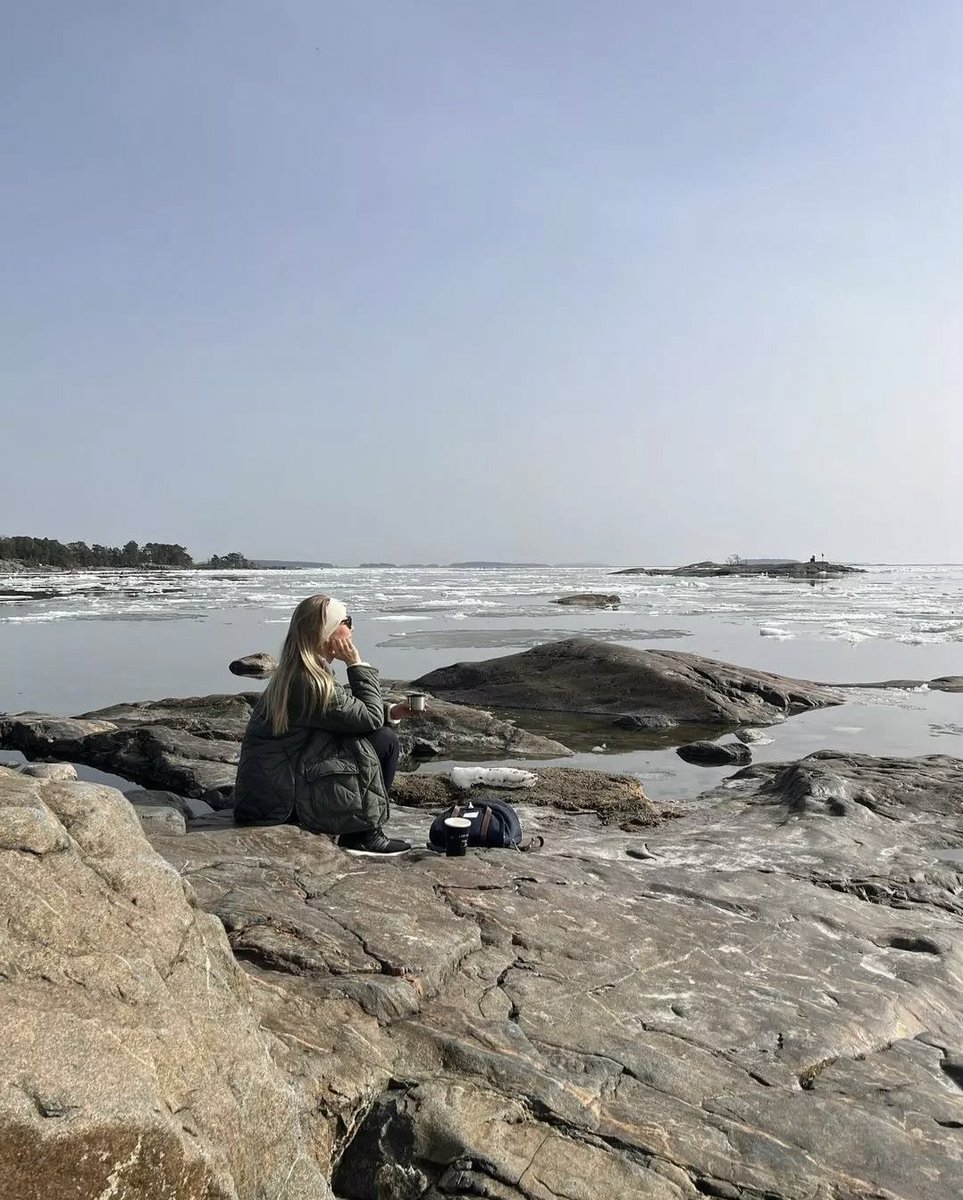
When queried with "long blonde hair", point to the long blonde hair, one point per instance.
{"points": [[301, 669]]}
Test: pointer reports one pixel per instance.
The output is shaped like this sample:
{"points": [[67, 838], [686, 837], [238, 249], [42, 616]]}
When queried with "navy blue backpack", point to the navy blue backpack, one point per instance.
{"points": [[493, 824]]}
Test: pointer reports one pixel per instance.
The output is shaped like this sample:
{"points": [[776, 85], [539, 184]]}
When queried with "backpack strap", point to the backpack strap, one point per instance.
{"points": [[486, 824]]}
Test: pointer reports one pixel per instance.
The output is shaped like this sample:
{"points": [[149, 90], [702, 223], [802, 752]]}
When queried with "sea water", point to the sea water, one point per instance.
{"points": [[71, 642]]}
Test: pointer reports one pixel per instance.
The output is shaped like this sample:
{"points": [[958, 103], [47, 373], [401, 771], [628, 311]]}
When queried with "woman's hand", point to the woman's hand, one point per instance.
{"points": [[400, 711], [343, 648]]}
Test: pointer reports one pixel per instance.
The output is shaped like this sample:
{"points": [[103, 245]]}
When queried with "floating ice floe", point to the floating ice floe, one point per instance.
{"points": [[498, 777]]}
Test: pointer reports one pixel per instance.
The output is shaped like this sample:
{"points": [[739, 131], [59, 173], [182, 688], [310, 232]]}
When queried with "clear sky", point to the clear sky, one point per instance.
{"points": [[519, 279]]}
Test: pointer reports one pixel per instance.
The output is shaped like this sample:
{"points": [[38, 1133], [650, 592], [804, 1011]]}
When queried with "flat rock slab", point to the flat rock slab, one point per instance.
{"points": [[762, 999], [582, 675]]}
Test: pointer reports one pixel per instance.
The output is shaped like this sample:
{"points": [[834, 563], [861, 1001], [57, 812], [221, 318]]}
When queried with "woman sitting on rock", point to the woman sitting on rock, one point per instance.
{"points": [[316, 753]]}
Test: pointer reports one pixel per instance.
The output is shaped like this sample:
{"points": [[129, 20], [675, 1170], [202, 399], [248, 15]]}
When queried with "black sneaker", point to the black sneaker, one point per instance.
{"points": [[373, 843]]}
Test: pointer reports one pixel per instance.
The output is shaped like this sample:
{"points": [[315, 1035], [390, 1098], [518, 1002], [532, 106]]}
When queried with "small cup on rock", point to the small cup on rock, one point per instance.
{"points": [[456, 836]]}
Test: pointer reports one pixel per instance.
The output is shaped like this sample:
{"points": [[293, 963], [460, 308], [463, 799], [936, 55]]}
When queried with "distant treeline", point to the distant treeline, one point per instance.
{"points": [[48, 552]]}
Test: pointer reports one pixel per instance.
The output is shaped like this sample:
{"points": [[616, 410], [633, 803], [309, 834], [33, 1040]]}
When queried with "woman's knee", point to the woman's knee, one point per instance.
{"points": [[385, 742]]}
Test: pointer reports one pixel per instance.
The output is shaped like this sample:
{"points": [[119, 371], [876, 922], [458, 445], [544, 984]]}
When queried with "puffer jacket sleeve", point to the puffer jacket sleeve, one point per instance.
{"points": [[359, 711]]}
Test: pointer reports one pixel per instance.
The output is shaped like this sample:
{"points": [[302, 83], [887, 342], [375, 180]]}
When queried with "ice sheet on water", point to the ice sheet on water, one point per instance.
{"points": [[914, 606], [867, 697], [469, 638]]}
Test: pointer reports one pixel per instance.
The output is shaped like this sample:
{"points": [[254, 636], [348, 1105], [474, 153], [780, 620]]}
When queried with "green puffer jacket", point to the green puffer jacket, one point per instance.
{"points": [[323, 773]]}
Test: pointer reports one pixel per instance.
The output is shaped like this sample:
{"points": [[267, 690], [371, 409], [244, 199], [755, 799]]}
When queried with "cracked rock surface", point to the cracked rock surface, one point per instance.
{"points": [[762, 1000]]}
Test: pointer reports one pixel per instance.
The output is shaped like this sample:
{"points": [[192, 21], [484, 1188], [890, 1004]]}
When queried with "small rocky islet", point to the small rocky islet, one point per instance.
{"points": [[776, 568], [753, 993]]}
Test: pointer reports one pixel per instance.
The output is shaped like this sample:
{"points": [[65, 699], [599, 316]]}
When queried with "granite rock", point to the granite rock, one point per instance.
{"points": [[582, 675], [132, 1060]]}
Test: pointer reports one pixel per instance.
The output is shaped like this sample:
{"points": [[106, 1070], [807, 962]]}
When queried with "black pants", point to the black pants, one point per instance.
{"points": [[385, 742]]}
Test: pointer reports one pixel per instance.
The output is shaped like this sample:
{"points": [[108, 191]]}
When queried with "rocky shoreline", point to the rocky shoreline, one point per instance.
{"points": [[757, 996], [190, 745], [754, 994]]}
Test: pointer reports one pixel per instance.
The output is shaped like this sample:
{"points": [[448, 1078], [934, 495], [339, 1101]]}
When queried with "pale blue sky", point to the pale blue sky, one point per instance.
{"points": [[429, 279]]}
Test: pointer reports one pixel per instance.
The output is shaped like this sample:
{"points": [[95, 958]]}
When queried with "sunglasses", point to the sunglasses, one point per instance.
{"points": [[347, 621]]}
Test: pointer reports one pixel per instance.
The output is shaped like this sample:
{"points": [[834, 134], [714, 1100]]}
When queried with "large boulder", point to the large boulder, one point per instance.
{"points": [[132, 1061], [582, 675]]}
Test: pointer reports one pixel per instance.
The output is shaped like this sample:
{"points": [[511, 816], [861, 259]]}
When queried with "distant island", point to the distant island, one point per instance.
{"points": [[285, 564], [785, 568], [30, 553], [482, 563]]}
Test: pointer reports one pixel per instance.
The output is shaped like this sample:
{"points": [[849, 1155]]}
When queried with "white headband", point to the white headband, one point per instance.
{"points": [[334, 613]]}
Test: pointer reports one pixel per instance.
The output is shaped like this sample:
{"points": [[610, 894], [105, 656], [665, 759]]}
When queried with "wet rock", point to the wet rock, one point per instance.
{"points": [[651, 721], [748, 736], [462, 731], [590, 600], [218, 717], [169, 759], [715, 754], [190, 746], [420, 748], [582, 675], [40, 735], [257, 666]]}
